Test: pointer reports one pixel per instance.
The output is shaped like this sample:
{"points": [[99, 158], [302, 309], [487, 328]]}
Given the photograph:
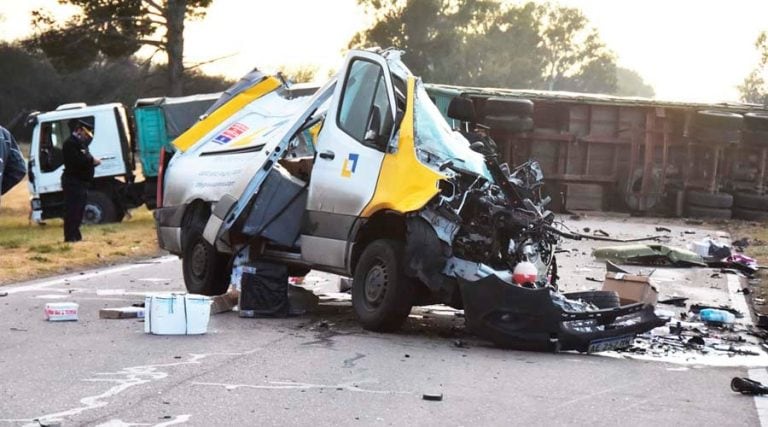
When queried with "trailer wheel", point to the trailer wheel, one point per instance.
{"points": [[701, 212], [750, 214], [203, 267], [382, 295], [514, 124], [508, 107], [709, 200], [601, 299], [750, 201], [99, 209]]}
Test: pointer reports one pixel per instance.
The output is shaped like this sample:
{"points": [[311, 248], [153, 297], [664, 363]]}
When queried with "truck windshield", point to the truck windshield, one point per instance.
{"points": [[436, 143]]}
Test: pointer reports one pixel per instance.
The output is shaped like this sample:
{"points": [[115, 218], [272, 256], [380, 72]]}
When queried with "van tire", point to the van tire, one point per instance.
{"points": [[382, 295], [99, 209], [205, 269]]}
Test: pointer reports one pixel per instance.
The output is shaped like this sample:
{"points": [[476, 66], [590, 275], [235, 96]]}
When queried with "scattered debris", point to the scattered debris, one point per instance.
{"points": [[689, 232], [592, 279], [18, 329], [3, 294], [663, 229], [613, 268], [586, 229], [676, 301], [747, 386], [696, 308], [713, 315], [434, 397], [631, 288], [122, 313], [649, 255], [61, 311], [460, 344], [603, 233]]}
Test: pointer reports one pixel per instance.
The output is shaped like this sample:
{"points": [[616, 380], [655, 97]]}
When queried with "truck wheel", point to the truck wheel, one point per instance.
{"points": [[709, 200], [99, 209], [204, 268], [508, 107], [750, 214], [700, 212], [382, 294], [601, 299], [750, 201]]}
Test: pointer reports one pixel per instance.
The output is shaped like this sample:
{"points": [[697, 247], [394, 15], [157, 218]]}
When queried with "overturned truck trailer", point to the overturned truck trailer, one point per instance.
{"points": [[603, 152], [366, 179]]}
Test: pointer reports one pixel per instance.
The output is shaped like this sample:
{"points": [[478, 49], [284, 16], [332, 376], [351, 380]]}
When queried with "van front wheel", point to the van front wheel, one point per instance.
{"points": [[382, 295]]}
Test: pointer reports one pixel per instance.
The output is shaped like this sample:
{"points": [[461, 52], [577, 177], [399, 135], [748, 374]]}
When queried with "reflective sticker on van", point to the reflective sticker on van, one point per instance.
{"points": [[230, 133]]}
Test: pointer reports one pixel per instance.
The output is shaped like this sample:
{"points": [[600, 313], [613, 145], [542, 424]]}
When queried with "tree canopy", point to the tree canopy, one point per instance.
{"points": [[490, 43], [116, 29], [754, 88]]}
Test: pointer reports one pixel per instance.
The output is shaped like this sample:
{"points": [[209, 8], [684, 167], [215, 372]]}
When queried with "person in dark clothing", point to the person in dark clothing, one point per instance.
{"points": [[79, 167], [13, 168]]}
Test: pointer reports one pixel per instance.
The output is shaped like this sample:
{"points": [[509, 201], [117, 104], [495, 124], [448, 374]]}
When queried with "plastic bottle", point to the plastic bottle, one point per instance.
{"points": [[713, 315]]}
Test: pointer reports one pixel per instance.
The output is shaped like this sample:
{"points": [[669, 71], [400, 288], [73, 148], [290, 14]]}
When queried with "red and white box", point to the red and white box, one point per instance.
{"points": [[60, 311]]}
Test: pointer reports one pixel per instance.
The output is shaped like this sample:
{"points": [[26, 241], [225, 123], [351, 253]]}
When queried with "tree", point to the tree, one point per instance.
{"points": [[299, 74], [491, 43], [118, 28], [754, 89], [574, 55], [430, 31], [630, 83]]}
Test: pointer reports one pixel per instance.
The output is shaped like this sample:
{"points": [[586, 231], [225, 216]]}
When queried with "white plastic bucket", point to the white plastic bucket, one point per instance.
{"points": [[176, 314]]}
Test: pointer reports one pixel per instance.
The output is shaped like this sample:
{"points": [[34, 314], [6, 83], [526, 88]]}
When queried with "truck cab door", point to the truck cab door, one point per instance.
{"points": [[350, 150]]}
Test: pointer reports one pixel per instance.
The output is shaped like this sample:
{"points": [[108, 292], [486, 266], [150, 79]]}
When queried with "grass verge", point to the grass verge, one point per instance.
{"points": [[29, 251]]}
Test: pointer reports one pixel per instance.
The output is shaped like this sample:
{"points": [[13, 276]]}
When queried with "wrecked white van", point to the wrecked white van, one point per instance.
{"points": [[364, 178]]}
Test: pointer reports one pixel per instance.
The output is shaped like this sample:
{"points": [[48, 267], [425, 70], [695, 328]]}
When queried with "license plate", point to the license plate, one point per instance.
{"points": [[607, 344]]}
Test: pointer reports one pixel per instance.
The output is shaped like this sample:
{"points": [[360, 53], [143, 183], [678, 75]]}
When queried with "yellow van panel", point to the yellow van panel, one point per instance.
{"points": [[405, 184], [203, 127]]}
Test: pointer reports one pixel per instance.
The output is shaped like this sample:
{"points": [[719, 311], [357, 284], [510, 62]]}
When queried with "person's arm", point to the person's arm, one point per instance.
{"points": [[15, 165]]}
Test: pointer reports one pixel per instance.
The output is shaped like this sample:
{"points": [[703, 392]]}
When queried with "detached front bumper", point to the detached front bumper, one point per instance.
{"points": [[531, 319]]}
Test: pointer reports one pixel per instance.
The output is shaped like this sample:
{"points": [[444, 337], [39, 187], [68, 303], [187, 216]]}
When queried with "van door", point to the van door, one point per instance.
{"points": [[350, 150]]}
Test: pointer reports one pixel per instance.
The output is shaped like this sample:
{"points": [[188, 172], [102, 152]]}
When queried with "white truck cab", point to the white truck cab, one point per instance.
{"points": [[111, 143]]}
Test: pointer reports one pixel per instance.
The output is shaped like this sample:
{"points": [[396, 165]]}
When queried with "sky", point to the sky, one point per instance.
{"points": [[688, 50]]}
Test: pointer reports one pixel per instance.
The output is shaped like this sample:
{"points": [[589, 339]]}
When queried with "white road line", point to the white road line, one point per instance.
{"points": [[87, 275], [761, 402]]}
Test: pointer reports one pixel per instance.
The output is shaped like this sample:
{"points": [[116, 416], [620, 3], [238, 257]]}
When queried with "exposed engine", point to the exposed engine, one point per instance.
{"points": [[503, 225]]}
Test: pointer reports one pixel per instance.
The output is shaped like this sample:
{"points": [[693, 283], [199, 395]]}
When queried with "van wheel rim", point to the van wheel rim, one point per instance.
{"points": [[199, 260], [376, 284]]}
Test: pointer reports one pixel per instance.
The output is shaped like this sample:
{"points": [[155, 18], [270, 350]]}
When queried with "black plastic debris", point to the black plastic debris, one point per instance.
{"points": [[434, 397], [676, 301], [3, 294], [264, 290], [603, 233], [747, 386], [663, 229]]}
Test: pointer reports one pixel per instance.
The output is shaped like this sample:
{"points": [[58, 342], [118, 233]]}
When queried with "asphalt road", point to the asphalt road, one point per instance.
{"points": [[318, 369]]}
